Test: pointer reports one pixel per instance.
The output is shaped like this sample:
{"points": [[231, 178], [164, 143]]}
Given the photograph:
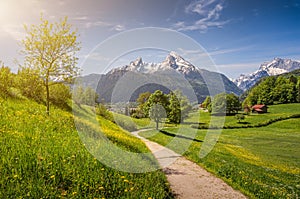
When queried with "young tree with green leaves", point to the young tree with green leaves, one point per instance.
{"points": [[179, 107], [141, 101], [207, 102], [157, 112], [174, 114], [233, 104], [50, 50], [225, 103], [239, 117], [157, 106]]}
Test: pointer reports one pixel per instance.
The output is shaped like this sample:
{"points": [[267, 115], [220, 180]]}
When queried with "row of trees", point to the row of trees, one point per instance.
{"points": [[273, 90], [26, 83], [222, 103], [173, 106]]}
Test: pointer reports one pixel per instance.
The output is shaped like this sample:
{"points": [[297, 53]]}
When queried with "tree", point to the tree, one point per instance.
{"points": [[50, 50], [232, 103], [239, 117], [6, 80], [30, 84], [225, 103], [87, 96], [298, 91], [157, 106], [78, 95], [206, 103], [179, 107], [60, 94], [90, 96], [219, 103], [174, 114], [157, 112], [141, 101]]}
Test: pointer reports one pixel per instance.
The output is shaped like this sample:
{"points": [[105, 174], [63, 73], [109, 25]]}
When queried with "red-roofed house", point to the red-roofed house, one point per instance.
{"points": [[259, 108]]}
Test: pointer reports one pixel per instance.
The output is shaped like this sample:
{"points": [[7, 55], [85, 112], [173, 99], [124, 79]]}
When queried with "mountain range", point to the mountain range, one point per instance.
{"points": [[125, 83], [275, 67]]}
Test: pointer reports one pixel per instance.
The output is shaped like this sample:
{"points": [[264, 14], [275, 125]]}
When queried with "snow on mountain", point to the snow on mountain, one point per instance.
{"points": [[174, 71], [274, 67], [172, 61]]}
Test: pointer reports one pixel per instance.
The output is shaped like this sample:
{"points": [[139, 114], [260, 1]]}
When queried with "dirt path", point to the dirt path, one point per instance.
{"points": [[187, 179]]}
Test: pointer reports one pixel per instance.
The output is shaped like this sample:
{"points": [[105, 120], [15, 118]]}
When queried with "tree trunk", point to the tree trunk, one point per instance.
{"points": [[47, 99], [156, 124]]}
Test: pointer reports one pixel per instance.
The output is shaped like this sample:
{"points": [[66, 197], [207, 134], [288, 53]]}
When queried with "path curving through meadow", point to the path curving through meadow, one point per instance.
{"points": [[187, 179]]}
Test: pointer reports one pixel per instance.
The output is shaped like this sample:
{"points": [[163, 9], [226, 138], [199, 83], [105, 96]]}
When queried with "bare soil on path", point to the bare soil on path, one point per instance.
{"points": [[187, 179]]}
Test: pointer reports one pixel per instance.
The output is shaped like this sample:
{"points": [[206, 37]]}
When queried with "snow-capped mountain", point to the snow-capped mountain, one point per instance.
{"points": [[172, 62], [174, 72], [274, 67]]}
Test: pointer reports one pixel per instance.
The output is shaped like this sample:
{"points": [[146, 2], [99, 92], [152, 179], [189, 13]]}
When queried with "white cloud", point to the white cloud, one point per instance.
{"points": [[208, 12], [118, 27], [96, 57], [254, 65], [97, 24], [227, 51], [15, 31], [80, 18]]}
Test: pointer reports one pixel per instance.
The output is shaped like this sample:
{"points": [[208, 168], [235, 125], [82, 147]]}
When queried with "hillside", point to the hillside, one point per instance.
{"points": [[43, 157], [282, 89]]}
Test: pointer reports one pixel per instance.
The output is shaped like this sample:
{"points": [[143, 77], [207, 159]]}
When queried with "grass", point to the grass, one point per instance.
{"points": [[43, 157], [132, 124], [261, 162], [274, 112]]}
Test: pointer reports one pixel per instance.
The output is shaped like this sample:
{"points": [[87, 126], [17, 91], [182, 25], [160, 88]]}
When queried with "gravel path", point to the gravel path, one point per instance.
{"points": [[187, 179]]}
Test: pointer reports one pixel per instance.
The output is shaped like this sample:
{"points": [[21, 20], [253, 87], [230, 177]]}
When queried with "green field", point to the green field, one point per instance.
{"points": [[274, 112], [43, 157], [261, 162]]}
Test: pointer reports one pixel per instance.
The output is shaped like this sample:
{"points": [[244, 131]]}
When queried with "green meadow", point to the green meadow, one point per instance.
{"points": [[262, 162], [43, 157]]}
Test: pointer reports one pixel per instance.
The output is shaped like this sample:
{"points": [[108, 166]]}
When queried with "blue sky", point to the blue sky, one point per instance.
{"points": [[239, 35]]}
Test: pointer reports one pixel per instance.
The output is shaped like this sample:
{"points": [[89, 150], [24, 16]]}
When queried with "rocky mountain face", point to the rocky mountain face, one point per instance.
{"points": [[272, 68], [174, 73]]}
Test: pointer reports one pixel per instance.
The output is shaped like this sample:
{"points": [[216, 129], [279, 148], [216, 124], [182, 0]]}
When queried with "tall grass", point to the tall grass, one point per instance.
{"points": [[43, 157]]}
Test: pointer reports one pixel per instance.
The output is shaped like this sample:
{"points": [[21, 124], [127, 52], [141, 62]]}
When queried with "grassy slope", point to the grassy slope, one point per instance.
{"points": [[43, 157], [262, 162]]}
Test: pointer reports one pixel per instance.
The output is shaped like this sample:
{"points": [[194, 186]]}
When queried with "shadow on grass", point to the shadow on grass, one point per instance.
{"points": [[243, 122], [198, 123], [179, 136]]}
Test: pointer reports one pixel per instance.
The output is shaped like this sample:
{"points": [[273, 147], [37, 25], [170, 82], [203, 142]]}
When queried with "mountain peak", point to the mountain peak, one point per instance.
{"points": [[174, 54], [275, 67], [173, 61], [137, 62]]}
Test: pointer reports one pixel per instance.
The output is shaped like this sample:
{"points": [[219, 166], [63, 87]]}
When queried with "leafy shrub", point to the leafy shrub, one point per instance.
{"points": [[30, 84], [102, 111], [6, 80], [60, 94]]}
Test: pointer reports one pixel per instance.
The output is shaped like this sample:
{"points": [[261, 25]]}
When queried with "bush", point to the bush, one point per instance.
{"points": [[30, 84], [239, 117], [6, 80], [102, 111], [60, 94]]}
